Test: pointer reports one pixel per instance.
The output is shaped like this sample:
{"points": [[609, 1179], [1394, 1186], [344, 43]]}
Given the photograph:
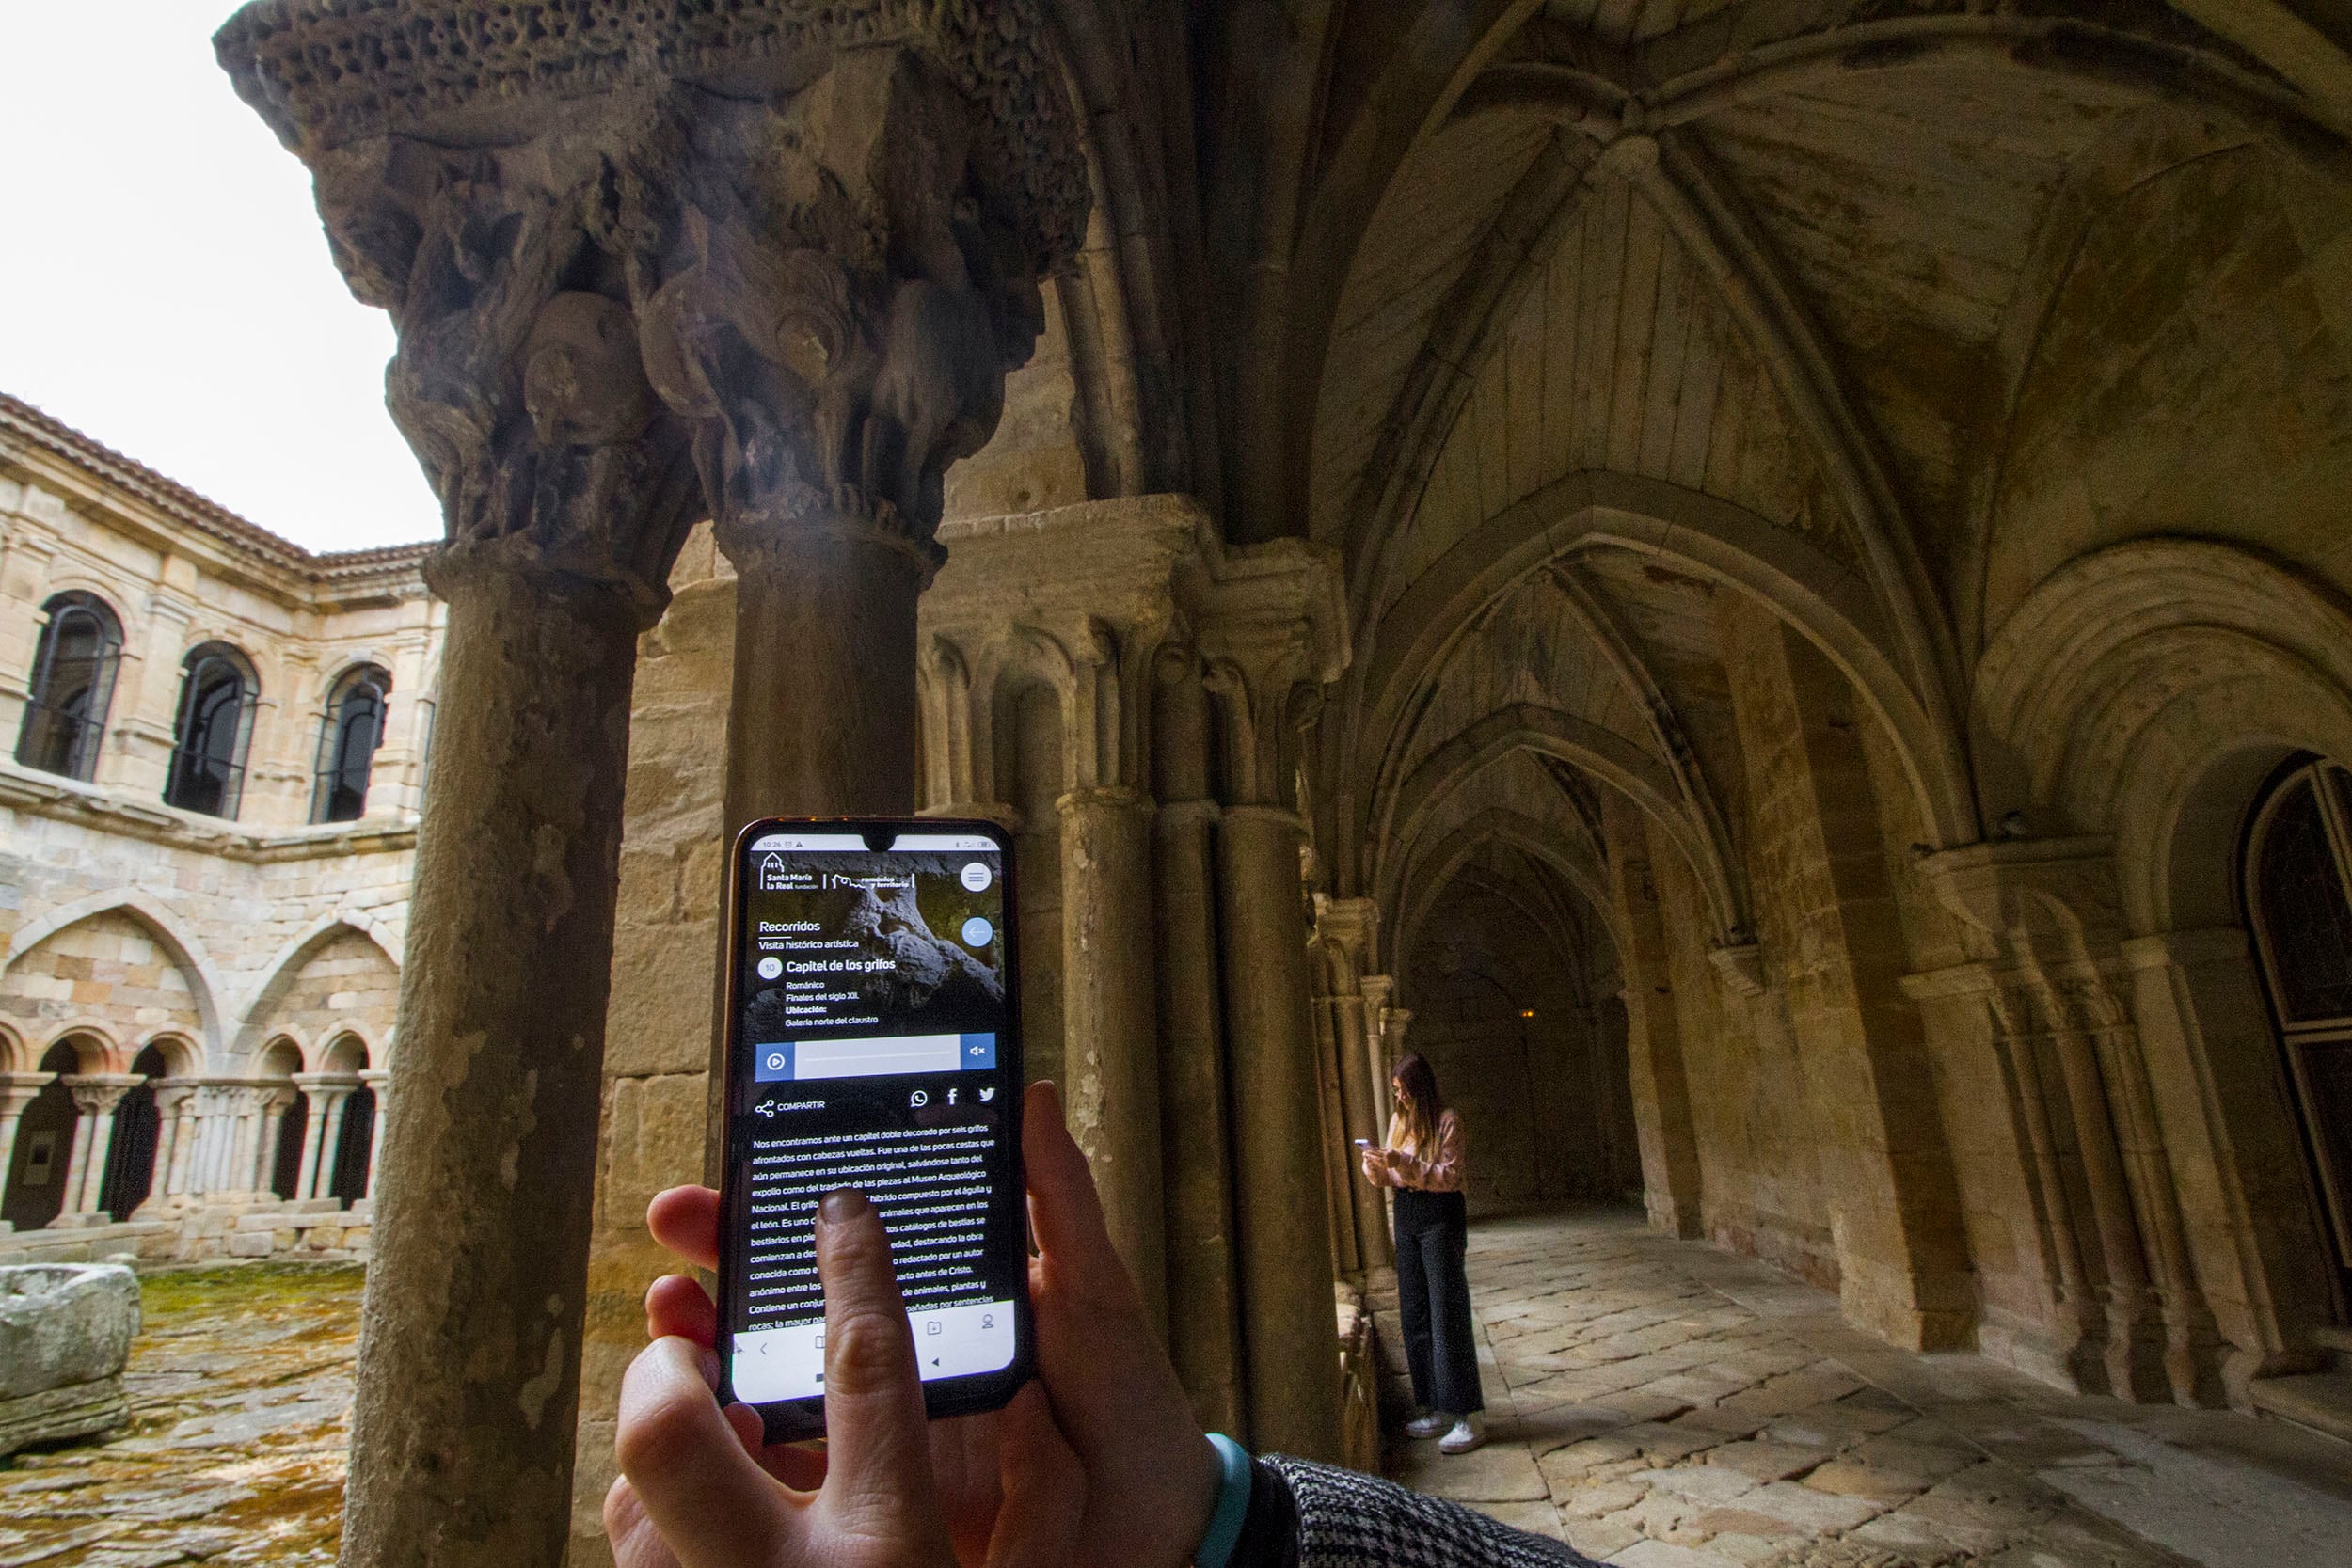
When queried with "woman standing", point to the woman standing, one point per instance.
{"points": [[1424, 1163]]}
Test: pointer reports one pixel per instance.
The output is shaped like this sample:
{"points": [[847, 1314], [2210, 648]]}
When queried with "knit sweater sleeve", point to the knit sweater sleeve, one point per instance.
{"points": [[1344, 1519]]}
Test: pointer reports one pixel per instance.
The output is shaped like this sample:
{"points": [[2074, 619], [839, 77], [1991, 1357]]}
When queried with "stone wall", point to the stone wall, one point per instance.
{"points": [[217, 944]]}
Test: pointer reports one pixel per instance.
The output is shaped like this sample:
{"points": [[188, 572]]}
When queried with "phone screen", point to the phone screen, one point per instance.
{"points": [[873, 1044]]}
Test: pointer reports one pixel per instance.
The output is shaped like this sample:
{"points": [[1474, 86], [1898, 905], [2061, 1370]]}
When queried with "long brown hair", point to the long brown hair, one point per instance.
{"points": [[1422, 1104]]}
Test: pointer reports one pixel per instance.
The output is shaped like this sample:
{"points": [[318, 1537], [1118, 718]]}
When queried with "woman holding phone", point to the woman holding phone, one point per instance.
{"points": [[1423, 1161]]}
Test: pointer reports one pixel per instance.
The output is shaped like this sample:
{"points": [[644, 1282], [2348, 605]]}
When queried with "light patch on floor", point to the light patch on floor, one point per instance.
{"points": [[2221, 1513], [1659, 1403]]}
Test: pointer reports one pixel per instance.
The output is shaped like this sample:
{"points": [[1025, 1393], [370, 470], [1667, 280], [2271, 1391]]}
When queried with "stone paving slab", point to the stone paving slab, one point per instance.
{"points": [[1683, 1407], [240, 1387]]}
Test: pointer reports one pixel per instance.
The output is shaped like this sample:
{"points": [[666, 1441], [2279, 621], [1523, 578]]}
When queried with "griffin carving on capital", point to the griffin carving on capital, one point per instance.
{"points": [[828, 295]]}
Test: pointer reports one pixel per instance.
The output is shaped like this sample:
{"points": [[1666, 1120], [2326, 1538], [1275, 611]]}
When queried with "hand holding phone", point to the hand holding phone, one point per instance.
{"points": [[872, 1044], [1119, 1418]]}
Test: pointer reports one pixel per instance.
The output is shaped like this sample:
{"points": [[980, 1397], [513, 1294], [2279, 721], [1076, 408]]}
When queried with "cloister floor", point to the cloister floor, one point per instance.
{"points": [[1658, 1403], [1666, 1405], [240, 1384]]}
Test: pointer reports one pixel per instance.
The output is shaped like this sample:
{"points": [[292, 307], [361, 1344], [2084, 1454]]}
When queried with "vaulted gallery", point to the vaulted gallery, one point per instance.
{"points": [[1764, 582], [1860, 503]]}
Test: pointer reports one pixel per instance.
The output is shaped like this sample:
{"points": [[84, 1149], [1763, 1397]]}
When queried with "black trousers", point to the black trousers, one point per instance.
{"points": [[1433, 1299]]}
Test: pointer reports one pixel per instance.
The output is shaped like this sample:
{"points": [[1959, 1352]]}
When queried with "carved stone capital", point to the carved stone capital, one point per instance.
{"points": [[830, 293], [1271, 622], [1352, 924], [97, 1093], [801, 239]]}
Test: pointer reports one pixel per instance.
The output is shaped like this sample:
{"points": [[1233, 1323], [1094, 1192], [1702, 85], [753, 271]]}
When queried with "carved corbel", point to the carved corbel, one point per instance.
{"points": [[1739, 966]]}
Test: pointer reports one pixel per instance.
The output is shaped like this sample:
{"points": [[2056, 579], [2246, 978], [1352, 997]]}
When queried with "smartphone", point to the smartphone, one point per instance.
{"points": [[873, 1041]]}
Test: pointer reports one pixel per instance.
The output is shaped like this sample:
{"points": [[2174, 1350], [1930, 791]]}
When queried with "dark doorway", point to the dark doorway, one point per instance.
{"points": [[293, 1127], [352, 1149], [44, 1147], [131, 1155]]}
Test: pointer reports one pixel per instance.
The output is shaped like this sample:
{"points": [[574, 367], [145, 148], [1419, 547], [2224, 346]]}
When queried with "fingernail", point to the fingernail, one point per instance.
{"points": [[709, 1361], [842, 1204]]}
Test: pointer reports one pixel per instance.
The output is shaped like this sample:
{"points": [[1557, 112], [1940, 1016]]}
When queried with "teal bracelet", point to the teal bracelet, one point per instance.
{"points": [[1232, 1503]]}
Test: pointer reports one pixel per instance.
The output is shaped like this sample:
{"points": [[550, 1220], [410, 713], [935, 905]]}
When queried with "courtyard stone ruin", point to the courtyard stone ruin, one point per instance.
{"points": [[64, 1332]]}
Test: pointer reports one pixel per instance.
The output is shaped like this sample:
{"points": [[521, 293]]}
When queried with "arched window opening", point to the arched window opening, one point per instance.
{"points": [[2299, 899], [348, 743], [215, 725], [73, 684], [44, 1147], [131, 1154]]}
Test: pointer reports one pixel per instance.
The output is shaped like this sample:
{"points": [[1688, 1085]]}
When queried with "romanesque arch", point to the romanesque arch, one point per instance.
{"points": [[332, 977]]}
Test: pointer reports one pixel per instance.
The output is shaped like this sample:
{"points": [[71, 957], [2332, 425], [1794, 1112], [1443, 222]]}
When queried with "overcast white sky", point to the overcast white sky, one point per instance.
{"points": [[166, 288]]}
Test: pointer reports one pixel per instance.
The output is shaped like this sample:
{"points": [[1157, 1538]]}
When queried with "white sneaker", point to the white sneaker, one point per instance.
{"points": [[1468, 1434], [1428, 1425]]}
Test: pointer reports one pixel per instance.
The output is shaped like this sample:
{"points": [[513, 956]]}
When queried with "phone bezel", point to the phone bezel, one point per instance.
{"points": [[793, 1420]]}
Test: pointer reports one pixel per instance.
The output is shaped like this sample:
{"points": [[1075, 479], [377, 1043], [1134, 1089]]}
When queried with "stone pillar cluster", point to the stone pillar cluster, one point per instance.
{"points": [[1351, 1000], [647, 263], [1178, 1025], [2050, 995]]}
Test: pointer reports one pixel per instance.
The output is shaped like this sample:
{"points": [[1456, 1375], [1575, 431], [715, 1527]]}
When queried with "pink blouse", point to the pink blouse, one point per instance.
{"points": [[1442, 1172]]}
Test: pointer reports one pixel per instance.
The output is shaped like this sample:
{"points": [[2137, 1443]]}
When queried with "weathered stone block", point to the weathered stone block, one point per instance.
{"points": [[65, 1334], [253, 1244]]}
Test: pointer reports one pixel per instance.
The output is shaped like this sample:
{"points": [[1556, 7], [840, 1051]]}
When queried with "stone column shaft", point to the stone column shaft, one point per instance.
{"points": [[330, 1142], [1108, 997], [314, 1127], [239, 1141], [481, 1236], [1203, 1292], [1339, 1204], [1363, 1100], [185, 1126], [2017, 1043], [76, 1167], [273, 1128], [824, 717], [1285, 1244], [95, 1096], [377, 1082], [2135, 1351]]}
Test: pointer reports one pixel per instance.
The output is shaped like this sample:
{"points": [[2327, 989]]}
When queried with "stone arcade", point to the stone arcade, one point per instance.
{"points": [[1772, 569], [208, 815]]}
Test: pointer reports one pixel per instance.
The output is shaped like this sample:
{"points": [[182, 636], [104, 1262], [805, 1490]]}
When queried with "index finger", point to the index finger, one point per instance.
{"points": [[877, 1435]]}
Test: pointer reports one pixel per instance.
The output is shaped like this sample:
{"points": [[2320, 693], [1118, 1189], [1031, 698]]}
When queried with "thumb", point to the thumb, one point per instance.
{"points": [[685, 1467]]}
